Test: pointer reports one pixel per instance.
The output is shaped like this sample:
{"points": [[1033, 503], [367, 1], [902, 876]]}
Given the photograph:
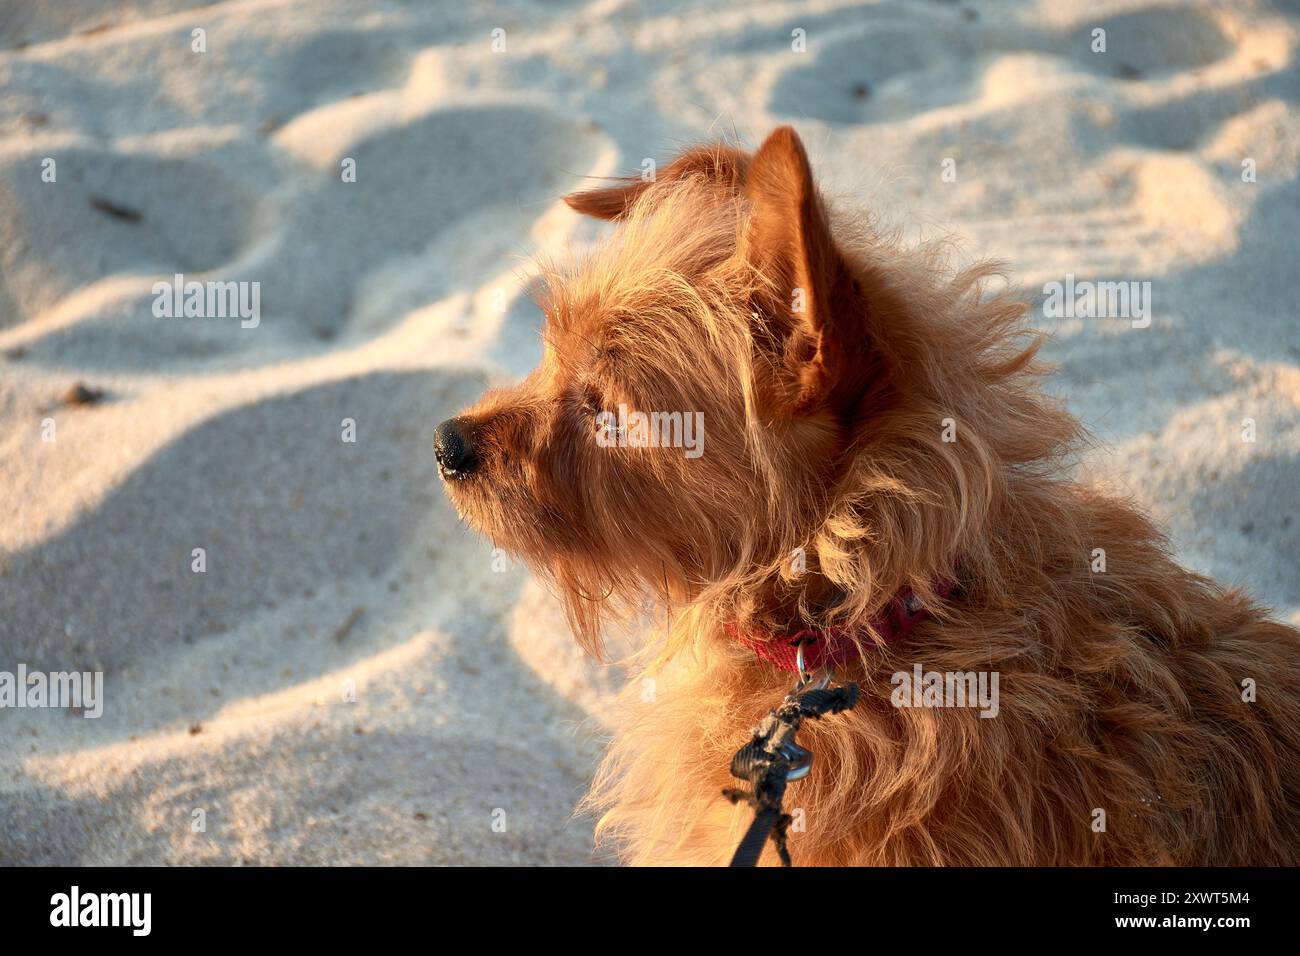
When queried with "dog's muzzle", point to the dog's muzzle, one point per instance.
{"points": [[454, 449]]}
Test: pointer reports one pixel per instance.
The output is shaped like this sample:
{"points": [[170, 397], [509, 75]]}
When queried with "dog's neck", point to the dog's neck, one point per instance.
{"points": [[782, 608], [800, 618]]}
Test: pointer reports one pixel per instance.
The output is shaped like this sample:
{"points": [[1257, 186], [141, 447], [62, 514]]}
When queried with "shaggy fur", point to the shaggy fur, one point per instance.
{"points": [[826, 359]]}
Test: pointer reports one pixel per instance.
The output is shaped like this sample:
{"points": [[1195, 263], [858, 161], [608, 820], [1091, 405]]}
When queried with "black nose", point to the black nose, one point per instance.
{"points": [[453, 449]]}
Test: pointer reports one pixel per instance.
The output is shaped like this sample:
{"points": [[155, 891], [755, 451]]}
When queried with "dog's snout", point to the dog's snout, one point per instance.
{"points": [[454, 448]]}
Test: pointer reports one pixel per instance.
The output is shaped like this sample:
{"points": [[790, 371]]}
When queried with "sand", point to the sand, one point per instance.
{"points": [[356, 678]]}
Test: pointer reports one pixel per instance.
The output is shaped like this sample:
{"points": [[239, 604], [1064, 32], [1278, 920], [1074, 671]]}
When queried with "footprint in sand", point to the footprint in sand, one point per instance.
{"points": [[411, 184], [108, 213], [246, 490], [1151, 43], [889, 72]]}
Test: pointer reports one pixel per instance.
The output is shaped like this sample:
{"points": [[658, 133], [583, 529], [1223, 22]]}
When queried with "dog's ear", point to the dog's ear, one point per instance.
{"points": [[809, 307], [724, 165]]}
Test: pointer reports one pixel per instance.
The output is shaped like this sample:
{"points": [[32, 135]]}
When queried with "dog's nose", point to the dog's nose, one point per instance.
{"points": [[453, 449]]}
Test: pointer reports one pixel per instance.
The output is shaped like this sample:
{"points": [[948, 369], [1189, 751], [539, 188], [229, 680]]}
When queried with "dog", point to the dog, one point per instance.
{"points": [[876, 449]]}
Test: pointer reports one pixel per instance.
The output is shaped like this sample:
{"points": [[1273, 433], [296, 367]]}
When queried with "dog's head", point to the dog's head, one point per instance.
{"points": [[708, 376]]}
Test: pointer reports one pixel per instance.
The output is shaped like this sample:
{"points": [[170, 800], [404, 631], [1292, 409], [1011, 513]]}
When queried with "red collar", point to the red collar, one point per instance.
{"points": [[836, 645]]}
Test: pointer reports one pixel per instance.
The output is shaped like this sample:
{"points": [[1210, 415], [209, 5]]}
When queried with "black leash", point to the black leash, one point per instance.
{"points": [[772, 760]]}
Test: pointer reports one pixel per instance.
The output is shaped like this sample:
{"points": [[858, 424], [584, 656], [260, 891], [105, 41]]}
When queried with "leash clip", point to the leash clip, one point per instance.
{"points": [[806, 679], [801, 759]]}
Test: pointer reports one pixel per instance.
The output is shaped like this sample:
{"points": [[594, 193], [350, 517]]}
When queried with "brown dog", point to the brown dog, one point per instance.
{"points": [[873, 428]]}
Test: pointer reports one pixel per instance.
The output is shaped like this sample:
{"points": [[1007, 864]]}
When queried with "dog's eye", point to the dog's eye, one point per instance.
{"points": [[590, 402], [599, 418]]}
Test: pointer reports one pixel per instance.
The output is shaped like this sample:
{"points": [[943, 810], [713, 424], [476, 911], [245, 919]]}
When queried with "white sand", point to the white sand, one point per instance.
{"points": [[394, 299]]}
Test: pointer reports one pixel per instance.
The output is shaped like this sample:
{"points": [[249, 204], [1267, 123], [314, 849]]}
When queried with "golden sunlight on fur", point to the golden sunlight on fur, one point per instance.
{"points": [[827, 362]]}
